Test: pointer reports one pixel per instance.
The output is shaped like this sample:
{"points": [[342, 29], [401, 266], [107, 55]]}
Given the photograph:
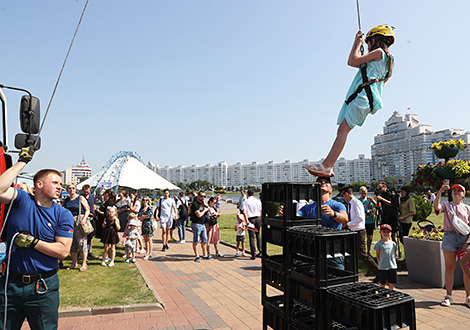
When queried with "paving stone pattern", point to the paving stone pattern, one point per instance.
{"points": [[225, 293]]}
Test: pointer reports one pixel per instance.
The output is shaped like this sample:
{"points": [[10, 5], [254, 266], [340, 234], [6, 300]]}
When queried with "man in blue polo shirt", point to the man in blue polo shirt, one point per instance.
{"points": [[333, 213], [41, 231]]}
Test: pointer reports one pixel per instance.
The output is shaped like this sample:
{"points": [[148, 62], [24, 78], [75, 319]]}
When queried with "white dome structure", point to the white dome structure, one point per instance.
{"points": [[126, 169]]}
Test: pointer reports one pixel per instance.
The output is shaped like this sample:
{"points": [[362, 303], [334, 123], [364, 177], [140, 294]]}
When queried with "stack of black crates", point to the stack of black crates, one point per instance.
{"points": [[299, 290]]}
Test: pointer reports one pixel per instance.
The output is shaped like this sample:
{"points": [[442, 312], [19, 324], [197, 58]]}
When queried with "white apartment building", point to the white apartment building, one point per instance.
{"points": [[255, 174], [405, 144], [75, 173]]}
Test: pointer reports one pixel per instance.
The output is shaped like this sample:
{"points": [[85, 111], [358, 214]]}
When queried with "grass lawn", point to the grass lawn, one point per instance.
{"points": [[103, 286], [228, 234]]}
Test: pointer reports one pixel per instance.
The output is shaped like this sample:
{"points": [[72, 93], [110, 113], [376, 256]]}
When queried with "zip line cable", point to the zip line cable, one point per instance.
{"points": [[359, 22], [62, 69]]}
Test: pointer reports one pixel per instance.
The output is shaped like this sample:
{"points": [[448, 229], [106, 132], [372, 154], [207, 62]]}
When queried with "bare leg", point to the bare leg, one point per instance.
{"points": [[204, 249], [335, 151], [195, 250], [450, 261], [338, 145], [84, 257], [464, 265], [74, 259], [112, 251]]}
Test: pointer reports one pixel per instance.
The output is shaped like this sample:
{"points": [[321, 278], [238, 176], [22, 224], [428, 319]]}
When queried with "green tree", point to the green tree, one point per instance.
{"points": [[391, 181], [83, 178], [358, 184], [373, 185], [423, 208]]}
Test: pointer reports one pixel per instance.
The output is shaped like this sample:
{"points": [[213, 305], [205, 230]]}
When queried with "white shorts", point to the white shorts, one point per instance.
{"points": [[166, 223]]}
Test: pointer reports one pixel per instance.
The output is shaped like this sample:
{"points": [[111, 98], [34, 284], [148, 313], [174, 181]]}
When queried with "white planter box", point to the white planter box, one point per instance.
{"points": [[425, 262]]}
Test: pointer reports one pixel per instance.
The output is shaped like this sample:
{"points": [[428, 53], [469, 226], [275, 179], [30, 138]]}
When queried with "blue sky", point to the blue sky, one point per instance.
{"points": [[196, 82]]}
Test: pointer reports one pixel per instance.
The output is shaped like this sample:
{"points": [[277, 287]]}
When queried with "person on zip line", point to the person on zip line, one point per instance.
{"points": [[365, 94]]}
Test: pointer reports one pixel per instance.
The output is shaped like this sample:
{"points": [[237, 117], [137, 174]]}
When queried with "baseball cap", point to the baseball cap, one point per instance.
{"points": [[324, 178], [386, 226], [132, 223], [343, 189], [458, 186]]}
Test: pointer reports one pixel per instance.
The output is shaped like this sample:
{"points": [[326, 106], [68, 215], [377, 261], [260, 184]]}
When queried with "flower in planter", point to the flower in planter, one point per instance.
{"points": [[435, 234], [460, 144], [455, 168]]}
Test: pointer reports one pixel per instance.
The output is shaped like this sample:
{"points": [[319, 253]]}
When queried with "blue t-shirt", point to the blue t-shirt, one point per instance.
{"points": [[310, 211], [44, 223], [387, 258]]}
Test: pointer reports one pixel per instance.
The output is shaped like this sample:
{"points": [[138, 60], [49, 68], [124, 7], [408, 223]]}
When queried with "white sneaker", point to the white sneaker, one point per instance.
{"points": [[467, 301], [128, 260], [103, 264], [447, 301], [124, 256], [111, 264], [237, 254], [142, 251], [107, 259], [244, 254]]}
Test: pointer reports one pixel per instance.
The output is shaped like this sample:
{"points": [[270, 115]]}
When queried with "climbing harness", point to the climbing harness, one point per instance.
{"points": [[365, 85]]}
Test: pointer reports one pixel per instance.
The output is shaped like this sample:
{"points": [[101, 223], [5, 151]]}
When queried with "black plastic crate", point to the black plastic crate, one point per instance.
{"points": [[304, 294], [274, 235], [289, 195], [370, 307], [273, 320], [304, 318], [295, 221], [274, 271], [275, 304], [320, 244], [306, 273], [321, 241]]}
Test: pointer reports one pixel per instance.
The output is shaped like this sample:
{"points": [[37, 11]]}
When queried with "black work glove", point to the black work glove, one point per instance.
{"points": [[26, 154], [25, 239]]}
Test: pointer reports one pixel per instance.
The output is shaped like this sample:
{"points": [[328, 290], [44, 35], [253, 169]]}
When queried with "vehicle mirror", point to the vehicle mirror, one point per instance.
{"points": [[21, 140], [29, 118]]}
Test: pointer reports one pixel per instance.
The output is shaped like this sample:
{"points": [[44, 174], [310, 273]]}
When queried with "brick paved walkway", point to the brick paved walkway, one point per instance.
{"points": [[225, 293]]}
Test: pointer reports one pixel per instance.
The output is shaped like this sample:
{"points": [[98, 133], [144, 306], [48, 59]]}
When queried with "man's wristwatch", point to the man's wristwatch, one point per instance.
{"points": [[335, 215]]}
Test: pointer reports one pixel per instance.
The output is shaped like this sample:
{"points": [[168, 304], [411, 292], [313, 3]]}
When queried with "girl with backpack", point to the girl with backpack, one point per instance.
{"points": [[365, 94]]}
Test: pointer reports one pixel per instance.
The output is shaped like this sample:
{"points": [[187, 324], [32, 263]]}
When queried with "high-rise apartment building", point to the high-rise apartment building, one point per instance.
{"points": [[405, 144]]}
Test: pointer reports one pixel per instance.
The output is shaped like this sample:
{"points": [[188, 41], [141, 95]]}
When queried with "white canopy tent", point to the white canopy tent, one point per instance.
{"points": [[125, 170]]}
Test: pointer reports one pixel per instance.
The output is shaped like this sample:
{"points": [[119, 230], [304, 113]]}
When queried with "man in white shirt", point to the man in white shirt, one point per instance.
{"points": [[357, 221], [252, 210]]}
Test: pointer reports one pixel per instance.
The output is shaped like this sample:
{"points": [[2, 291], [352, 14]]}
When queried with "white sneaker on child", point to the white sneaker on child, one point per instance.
{"points": [[127, 260], [111, 264], [103, 264], [124, 255], [237, 254], [244, 254]]}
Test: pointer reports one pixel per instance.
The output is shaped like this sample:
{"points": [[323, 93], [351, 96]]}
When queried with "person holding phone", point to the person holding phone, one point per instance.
{"points": [[453, 240]]}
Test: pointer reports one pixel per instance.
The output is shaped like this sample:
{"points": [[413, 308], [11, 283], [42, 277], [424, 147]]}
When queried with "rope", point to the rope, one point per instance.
{"points": [[359, 22], [62, 69]]}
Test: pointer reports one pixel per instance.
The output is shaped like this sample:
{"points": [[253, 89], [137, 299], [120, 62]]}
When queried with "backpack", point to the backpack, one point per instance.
{"points": [[183, 210]]}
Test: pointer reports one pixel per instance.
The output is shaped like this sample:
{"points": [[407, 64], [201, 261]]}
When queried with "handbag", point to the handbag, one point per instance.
{"points": [[85, 228], [460, 225], [154, 225]]}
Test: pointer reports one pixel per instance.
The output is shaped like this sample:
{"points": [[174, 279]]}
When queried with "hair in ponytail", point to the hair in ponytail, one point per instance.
{"points": [[383, 42]]}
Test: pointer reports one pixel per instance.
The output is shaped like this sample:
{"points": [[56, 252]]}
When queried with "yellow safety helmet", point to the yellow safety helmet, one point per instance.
{"points": [[383, 30]]}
